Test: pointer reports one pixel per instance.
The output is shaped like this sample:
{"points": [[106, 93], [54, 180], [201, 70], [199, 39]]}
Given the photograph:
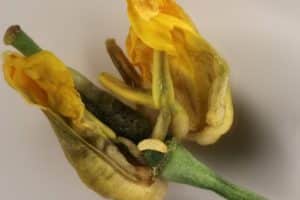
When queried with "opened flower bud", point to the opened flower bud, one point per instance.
{"points": [[92, 148]]}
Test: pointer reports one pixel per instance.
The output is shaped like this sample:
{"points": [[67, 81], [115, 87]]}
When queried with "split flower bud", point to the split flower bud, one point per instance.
{"points": [[92, 148]]}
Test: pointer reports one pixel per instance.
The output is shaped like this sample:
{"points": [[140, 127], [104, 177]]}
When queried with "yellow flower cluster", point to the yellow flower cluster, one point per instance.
{"points": [[162, 31]]}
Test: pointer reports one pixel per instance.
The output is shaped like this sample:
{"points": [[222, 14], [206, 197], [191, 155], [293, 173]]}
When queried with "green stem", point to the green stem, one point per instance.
{"points": [[172, 115], [180, 166], [161, 89], [16, 37]]}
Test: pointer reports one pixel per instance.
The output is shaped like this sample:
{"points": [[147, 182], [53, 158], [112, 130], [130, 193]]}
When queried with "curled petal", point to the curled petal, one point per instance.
{"points": [[140, 55], [124, 91], [200, 76], [154, 31], [45, 81], [211, 133]]}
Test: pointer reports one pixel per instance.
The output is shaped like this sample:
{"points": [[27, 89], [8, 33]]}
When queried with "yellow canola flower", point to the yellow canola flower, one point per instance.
{"points": [[200, 76], [45, 81]]}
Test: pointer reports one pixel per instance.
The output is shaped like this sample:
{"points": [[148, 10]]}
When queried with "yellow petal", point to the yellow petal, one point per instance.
{"points": [[45, 81], [211, 134], [200, 76], [155, 31], [120, 89], [148, 9], [140, 55]]}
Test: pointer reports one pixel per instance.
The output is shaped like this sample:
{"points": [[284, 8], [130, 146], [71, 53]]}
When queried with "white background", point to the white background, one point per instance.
{"points": [[259, 38]]}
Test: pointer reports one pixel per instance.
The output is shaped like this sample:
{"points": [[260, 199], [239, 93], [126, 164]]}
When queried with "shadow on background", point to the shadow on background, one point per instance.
{"points": [[247, 138], [244, 156]]}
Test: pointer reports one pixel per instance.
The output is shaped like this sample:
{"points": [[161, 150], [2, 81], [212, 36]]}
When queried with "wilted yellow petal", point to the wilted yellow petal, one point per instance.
{"points": [[210, 133], [122, 90], [44, 80], [155, 31], [140, 55], [148, 9], [199, 74]]}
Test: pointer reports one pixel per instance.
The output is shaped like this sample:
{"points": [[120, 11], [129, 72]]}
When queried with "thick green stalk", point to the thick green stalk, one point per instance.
{"points": [[180, 166]]}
